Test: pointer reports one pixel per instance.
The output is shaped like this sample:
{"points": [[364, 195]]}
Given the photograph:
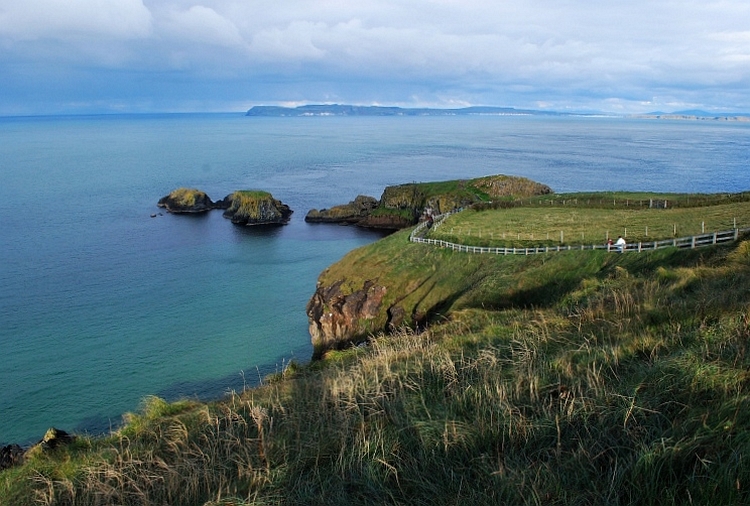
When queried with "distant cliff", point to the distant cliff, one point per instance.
{"points": [[358, 110]]}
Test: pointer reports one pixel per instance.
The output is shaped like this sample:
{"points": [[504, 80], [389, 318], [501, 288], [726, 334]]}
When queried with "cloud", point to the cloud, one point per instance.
{"points": [[562, 54], [202, 25], [55, 19]]}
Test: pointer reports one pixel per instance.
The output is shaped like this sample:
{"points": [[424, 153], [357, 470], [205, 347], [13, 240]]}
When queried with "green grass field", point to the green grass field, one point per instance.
{"points": [[540, 224]]}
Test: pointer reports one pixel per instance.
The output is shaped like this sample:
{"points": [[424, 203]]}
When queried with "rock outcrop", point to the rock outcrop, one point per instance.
{"points": [[338, 318], [10, 456], [253, 207], [352, 213], [14, 455], [187, 200]]}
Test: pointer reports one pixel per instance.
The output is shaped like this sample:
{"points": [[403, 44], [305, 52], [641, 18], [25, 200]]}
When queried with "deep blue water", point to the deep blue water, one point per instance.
{"points": [[101, 305]]}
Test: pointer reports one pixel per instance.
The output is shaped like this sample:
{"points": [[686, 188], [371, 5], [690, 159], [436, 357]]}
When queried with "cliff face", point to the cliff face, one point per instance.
{"points": [[382, 287], [249, 207], [338, 317]]}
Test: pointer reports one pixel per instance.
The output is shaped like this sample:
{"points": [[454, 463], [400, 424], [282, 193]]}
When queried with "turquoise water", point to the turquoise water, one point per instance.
{"points": [[101, 305]]}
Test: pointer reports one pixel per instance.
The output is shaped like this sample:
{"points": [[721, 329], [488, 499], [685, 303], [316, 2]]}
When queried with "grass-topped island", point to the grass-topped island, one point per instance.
{"points": [[579, 377]]}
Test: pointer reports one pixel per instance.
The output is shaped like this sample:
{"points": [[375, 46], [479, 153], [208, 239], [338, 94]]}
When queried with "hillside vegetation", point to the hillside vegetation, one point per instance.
{"points": [[566, 378]]}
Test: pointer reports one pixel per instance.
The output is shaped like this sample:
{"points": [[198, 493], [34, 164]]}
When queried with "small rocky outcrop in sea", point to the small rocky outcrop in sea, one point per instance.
{"points": [[190, 200], [254, 207]]}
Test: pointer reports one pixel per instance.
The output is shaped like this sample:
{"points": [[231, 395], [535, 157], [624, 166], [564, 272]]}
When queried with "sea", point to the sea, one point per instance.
{"points": [[106, 299]]}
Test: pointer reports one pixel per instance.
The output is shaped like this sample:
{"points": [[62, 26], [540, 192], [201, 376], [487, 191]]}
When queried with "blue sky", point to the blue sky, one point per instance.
{"points": [[101, 56]]}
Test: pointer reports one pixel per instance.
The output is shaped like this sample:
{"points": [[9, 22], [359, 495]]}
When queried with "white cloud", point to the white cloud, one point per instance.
{"points": [[62, 19], [464, 51], [295, 42], [202, 25]]}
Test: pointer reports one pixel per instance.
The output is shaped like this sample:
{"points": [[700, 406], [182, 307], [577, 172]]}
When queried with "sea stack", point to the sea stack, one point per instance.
{"points": [[255, 207]]}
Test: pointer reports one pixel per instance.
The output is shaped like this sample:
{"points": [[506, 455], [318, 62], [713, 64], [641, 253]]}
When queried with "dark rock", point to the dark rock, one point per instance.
{"points": [[10, 456], [224, 203], [54, 438], [352, 213]]}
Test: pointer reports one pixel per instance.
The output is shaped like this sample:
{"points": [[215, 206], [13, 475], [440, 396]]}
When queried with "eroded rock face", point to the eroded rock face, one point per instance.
{"points": [[250, 207], [337, 319]]}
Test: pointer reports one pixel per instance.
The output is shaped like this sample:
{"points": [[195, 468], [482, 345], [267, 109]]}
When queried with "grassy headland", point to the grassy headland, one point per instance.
{"points": [[568, 378]]}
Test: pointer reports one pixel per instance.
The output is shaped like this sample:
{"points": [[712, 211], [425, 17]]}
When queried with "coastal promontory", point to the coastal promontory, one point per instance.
{"points": [[403, 205]]}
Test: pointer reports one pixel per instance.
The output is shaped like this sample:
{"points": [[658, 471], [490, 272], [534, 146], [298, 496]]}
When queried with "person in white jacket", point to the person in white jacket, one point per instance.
{"points": [[620, 244]]}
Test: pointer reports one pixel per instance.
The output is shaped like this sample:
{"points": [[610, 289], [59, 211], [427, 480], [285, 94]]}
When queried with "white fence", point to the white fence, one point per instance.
{"points": [[691, 242]]}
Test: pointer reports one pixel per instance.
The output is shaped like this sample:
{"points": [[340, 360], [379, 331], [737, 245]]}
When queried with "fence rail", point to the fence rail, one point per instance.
{"points": [[691, 242]]}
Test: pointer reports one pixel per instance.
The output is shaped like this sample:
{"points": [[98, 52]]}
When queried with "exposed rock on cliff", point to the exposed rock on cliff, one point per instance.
{"points": [[186, 200], [338, 318], [252, 207], [377, 288]]}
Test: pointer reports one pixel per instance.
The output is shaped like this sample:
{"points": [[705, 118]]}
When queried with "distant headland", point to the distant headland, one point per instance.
{"points": [[274, 111], [361, 110]]}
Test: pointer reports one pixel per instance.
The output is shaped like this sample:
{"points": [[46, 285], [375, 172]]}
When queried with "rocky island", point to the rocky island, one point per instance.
{"points": [[243, 207], [190, 201], [255, 207]]}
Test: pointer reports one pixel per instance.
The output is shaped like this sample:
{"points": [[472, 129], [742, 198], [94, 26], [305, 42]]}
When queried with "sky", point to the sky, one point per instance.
{"points": [[133, 56]]}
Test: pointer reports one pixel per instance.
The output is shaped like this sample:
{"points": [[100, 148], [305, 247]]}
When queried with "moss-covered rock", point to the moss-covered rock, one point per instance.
{"points": [[254, 207], [186, 200]]}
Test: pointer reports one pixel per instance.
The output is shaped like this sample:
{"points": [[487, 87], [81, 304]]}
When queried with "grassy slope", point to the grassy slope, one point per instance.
{"points": [[571, 378], [538, 223]]}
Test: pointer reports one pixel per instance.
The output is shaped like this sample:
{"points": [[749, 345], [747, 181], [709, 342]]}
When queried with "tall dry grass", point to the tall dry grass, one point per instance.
{"points": [[631, 387]]}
